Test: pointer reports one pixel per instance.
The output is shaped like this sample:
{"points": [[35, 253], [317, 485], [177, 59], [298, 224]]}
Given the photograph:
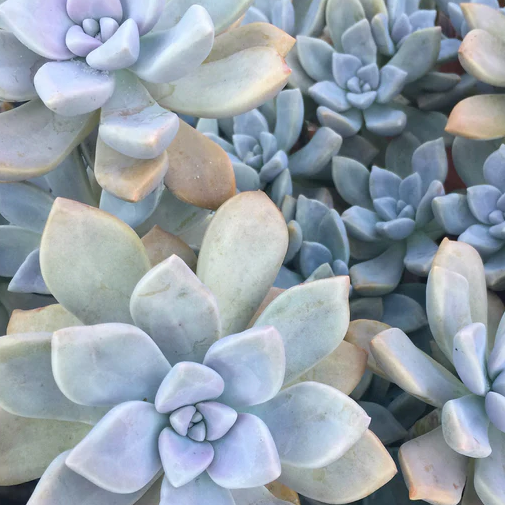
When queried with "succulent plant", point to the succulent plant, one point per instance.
{"points": [[473, 406], [482, 117], [391, 225], [353, 85], [476, 217], [102, 390], [260, 153], [119, 66]]}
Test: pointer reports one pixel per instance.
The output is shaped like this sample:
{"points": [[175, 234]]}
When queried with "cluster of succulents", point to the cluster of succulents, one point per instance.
{"points": [[252, 252]]}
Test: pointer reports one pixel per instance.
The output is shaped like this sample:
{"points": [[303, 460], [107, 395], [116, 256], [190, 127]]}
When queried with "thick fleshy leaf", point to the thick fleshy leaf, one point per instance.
{"points": [[448, 306], [40, 26], [361, 223], [380, 275], [120, 454], [250, 35], [133, 123], [188, 383], [384, 120], [342, 369], [360, 333], [482, 201], [16, 64], [26, 205], [128, 178], [145, 15], [218, 89], [481, 55], [413, 370], [83, 246], [430, 162], [418, 53], [358, 41], [160, 245], [432, 470], [347, 124], [119, 363], [219, 418], [133, 214], [401, 311], [265, 495], [464, 260], [465, 426], [488, 124], [202, 489], [241, 254], [79, 10], [223, 14], [15, 245], [483, 15], [27, 446], [383, 423], [166, 56], [469, 357], [61, 486], [28, 278], [489, 481], [392, 80], [45, 319], [316, 57], [319, 309], [235, 464], [252, 365], [211, 180], [290, 113], [119, 51], [363, 469], [183, 459], [33, 124], [421, 250], [191, 326], [69, 88], [313, 424], [29, 386], [495, 409], [352, 181], [453, 213]]}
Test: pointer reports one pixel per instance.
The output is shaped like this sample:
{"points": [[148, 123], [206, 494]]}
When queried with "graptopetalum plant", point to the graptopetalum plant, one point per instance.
{"points": [[391, 223], [144, 377], [119, 65], [260, 151], [352, 84], [467, 452]]}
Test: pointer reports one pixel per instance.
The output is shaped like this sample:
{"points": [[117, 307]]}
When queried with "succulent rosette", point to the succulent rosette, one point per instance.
{"points": [[119, 65], [147, 379], [391, 224], [477, 217], [466, 452], [260, 144]]}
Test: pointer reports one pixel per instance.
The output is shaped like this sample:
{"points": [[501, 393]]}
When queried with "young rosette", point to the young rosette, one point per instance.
{"points": [[353, 87], [391, 225], [478, 217], [469, 446], [260, 151], [148, 379], [120, 65], [481, 55]]}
